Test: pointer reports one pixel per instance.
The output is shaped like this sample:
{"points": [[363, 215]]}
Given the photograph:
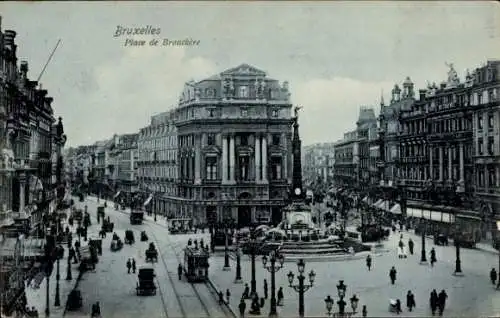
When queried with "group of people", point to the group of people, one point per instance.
{"points": [[438, 301], [410, 303], [256, 301], [131, 265], [33, 312]]}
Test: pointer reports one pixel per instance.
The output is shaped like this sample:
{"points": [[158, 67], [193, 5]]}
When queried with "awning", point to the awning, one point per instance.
{"points": [[396, 209], [365, 199], [430, 215], [148, 200], [386, 206], [376, 204], [117, 194]]}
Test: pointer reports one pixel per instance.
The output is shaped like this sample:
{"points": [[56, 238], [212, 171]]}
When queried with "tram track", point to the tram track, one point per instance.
{"points": [[173, 283]]}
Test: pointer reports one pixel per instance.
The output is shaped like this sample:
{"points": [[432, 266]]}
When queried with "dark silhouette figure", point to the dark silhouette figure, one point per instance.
{"points": [[228, 295], [434, 301], [433, 257], [493, 276], [246, 292], [442, 301], [129, 265], [369, 262], [179, 271], [410, 246], [364, 312], [410, 300], [398, 306], [280, 296], [265, 289], [392, 275], [221, 298], [133, 265], [242, 307]]}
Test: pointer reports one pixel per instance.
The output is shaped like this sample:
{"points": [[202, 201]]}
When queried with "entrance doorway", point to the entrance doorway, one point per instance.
{"points": [[244, 216], [211, 214], [275, 216]]}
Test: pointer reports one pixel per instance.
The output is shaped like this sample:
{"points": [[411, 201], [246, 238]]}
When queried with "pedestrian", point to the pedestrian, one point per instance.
{"points": [[433, 257], [262, 302], [410, 300], [392, 275], [434, 301], [398, 306], [280, 296], [364, 311], [246, 292], [133, 265], [442, 301], [71, 254], [221, 297], [369, 262], [228, 295], [410, 246], [129, 265], [242, 307], [179, 271], [265, 289]]}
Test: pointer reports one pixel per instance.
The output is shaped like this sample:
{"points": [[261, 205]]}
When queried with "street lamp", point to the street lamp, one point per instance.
{"points": [[57, 301], [341, 291], [273, 267], [238, 279], [458, 263], [227, 266], [301, 288], [253, 248]]}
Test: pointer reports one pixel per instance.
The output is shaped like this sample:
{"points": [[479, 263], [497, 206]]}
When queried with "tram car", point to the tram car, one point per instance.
{"points": [[196, 264]]}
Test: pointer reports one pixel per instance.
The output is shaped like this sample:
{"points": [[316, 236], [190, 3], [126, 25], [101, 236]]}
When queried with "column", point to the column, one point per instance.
{"points": [[486, 177], [264, 158], [497, 176], [462, 178], [258, 169], [22, 193], [224, 159], [231, 159], [284, 161], [440, 163], [197, 160], [431, 162], [450, 172]]}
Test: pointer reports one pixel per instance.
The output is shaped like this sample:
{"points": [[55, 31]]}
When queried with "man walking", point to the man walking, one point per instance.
{"points": [[369, 262], [133, 265], [410, 246], [179, 271], [392, 275], [129, 265]]}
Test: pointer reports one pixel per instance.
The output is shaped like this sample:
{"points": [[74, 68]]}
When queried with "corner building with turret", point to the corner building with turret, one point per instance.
{"points": [[234, 148]]}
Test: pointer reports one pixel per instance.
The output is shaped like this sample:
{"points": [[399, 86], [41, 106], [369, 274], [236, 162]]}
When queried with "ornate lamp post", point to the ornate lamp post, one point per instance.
{"points": [[49, 249], [301, 288], [68, 270], [329, 302], [57, 301], [276, 263], [238, 279], [227, 266], [253, 248], [456, 241]]}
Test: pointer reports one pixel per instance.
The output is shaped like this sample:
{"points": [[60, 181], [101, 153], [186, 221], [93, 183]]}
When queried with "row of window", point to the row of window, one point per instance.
{"points": [[421, 150], [490, 146], [156, 131], [486, 178], [491, 121], [158, 155], [168, 189], [467, 99], [158, 171], [422, 173], [159, 143]]}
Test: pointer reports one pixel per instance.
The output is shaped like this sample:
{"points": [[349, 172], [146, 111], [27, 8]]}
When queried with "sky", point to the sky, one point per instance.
{"points": [[337, 56]]}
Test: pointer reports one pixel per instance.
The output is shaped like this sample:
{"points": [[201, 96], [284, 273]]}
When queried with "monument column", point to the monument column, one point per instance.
{"points": [[257, 159], [264, 158], [231, 159], [224, 159]]}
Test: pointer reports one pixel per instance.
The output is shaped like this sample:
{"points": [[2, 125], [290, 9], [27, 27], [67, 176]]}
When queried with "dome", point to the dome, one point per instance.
{"points": [[407, 81]]}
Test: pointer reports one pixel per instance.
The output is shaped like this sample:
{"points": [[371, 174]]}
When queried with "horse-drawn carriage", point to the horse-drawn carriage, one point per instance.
{"points": [[129, 237], [151, 254], [144, 236], [116, 243], [88, 257], [196, 264], [146, 284], [97, 244]]}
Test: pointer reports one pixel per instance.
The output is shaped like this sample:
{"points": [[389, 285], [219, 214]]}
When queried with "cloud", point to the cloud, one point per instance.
{"points": [[144, 81]]}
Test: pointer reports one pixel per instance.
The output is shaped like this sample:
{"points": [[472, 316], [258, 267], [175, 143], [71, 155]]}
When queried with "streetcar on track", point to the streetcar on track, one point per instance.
{"points": [[196, 264]]}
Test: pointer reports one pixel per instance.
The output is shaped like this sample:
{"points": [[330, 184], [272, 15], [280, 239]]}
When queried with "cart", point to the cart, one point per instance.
{"points": [[146, 281], [107, 226], [144, 236], [136, 216], [129, 237], [151, 254], [97, 244], [196, 264], [116, 245]]}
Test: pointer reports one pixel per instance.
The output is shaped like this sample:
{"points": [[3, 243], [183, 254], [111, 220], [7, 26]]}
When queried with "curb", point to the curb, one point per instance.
{"points": [[226, 305]]}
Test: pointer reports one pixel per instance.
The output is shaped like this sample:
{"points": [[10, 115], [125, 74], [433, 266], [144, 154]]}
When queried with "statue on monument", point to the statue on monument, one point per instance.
{"points": [[452, 74], [296, 110]]}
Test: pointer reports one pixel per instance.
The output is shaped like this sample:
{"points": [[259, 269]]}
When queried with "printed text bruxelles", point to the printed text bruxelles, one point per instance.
{"points": [[147, 30]]}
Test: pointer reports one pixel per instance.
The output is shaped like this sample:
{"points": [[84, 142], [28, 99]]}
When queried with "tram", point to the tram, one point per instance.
{"points": [[196, 264]]}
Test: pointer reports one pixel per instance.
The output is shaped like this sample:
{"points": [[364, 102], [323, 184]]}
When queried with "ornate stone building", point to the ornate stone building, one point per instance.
{"points": [[318, 165], [347, 161], [366, 129], [234, 147], [157, 164], [485, 100], [127, 163]]}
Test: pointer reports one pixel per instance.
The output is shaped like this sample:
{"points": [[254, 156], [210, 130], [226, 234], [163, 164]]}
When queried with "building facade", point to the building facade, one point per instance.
{"points": [[319, 160], [127, 170], [157, 169], [347, 161], [234, 147], [366, 130], [485, 100]]}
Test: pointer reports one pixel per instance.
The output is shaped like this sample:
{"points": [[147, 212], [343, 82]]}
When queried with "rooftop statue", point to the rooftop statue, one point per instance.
{"points": [[452, 75]]}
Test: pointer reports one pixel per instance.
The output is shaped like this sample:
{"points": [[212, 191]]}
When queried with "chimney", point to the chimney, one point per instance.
{"points": [[421, 93], [442, 86]]}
